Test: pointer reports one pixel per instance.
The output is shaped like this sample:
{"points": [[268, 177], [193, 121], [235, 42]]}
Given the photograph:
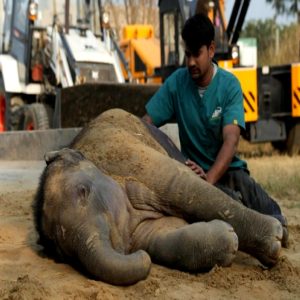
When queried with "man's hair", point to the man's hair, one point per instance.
{"points": [[197, 32]]}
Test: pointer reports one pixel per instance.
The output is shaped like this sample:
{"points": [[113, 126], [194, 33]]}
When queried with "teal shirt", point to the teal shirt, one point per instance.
{"points": [[200, 120]]}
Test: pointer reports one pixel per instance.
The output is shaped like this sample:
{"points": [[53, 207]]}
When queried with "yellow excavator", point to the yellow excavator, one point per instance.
{"points": [[142, 52]]}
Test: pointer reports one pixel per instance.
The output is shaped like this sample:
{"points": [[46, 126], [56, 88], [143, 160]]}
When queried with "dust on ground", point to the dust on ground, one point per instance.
{"points": [[25, 273]]}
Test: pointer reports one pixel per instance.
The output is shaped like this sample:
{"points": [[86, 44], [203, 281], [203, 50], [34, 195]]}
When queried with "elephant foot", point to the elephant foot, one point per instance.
{"points": [[195, 247], [267, 244], [223, 244]]}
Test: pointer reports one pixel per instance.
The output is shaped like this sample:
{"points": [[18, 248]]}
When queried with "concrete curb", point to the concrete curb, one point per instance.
{"points": [[32, 145]]}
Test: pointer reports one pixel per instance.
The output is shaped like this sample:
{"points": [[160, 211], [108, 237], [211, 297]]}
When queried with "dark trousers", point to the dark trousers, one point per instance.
{"points": [[241, 187]]}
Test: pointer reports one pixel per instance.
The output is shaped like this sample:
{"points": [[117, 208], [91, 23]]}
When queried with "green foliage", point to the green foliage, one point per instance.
{"points": [[278, 175], [277, 44], [279, 5], [282, 187], [287, 7]]}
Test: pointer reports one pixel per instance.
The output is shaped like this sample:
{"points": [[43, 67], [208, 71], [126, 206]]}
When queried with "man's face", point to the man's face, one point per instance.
{"points": [[199, 63]]}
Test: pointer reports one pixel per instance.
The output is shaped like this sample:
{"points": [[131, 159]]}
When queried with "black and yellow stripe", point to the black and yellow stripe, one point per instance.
{"points": [[248, 81], [295, 74]]}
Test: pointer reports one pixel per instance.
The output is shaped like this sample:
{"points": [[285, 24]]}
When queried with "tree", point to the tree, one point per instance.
{"points": [[276, 44], [132, 12], [288, 7], [264, 32]]}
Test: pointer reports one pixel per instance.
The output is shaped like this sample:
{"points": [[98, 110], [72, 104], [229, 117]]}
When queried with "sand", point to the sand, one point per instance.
{"points": [[25, 273]]}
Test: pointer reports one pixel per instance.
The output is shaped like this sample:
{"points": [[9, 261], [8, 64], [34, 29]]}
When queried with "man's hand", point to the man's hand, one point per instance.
{"points": [[147, 119], [196, 169], [231, 135]]}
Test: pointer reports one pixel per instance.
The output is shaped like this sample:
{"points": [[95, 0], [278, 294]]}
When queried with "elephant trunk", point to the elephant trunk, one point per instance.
{"points": [[103, 262]]}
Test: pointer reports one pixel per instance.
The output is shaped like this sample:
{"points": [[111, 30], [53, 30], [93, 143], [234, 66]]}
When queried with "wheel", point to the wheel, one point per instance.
{"points": [[11, 109], [2, 112], [2, 105], [279, 146], [37, 116], [17, 106], [293, 140], [291, 145]]}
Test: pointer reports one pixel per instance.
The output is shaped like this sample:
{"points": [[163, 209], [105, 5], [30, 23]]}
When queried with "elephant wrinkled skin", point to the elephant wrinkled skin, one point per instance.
{"points": [[118, 198]]}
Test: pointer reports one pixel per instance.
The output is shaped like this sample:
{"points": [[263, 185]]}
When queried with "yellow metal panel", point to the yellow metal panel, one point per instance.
{"points": [[137, 31], [248, 80], [225, 64], [295, 90], [148, 50]]}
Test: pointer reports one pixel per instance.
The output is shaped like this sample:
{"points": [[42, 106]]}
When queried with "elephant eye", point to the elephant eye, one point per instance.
{"points": [[83, 193]]}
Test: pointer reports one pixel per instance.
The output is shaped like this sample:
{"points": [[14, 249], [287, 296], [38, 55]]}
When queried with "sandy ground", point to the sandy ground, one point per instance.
{"points": [[26, 274]]}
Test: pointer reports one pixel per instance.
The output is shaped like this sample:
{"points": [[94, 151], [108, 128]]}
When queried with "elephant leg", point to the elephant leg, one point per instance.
{"points": [[172, 242], [182, 194]]}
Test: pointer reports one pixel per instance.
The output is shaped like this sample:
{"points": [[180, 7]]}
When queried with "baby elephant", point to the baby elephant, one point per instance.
{"points": [[86, 217], [121, 196]]}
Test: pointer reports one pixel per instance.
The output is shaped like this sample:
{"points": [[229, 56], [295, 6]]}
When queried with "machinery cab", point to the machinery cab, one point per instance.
{"points": [[48, 45], [90, 49], [17, 36], [35, 33]]}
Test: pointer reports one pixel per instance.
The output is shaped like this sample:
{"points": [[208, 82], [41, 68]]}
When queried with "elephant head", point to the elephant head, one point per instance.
{"points": [[75, 216]]}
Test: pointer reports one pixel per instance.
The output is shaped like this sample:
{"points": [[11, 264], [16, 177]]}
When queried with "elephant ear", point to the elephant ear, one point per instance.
{"points": [[51, 156], [69, 155]]}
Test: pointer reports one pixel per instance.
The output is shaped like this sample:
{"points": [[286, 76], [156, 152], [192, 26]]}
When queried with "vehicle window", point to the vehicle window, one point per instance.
{"points": [[47, 10], [7, 25], [20, 15], [81, 12]]}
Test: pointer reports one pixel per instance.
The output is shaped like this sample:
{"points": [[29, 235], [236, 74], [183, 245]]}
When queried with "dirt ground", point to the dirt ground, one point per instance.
{"points": [[26, 274]]}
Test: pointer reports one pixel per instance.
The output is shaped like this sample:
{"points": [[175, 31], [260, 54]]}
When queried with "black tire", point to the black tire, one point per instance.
{"points": [[5, 124], [37, 116], [2, 105], [17, 105], [279, 146], [291, 145], [293, 140]]}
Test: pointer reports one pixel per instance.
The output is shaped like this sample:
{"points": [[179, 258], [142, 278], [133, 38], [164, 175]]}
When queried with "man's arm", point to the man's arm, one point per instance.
{"points": [[231, 136], [192, 165]]}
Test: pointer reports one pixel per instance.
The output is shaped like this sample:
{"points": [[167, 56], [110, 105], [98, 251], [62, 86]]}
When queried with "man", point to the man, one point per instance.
{"points": [[207, 103]]}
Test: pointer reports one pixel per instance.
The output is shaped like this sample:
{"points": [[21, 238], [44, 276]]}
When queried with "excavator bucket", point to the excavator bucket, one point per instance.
{"points": [[76, 106]]}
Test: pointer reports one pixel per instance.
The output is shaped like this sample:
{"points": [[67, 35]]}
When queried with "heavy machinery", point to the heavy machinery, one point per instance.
{"points": [[271, 93], [142, 52], [49, 48]]}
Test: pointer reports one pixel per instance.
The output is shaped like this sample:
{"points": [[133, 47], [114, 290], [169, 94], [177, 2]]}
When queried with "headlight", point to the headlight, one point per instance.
{"points": [[80, 79], [105, 18], [211, 4], [235, 52], [33, 11]]}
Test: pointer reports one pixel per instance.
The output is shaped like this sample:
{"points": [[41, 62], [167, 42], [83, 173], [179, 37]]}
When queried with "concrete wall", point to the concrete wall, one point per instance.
{"points": [[32, 145]]}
